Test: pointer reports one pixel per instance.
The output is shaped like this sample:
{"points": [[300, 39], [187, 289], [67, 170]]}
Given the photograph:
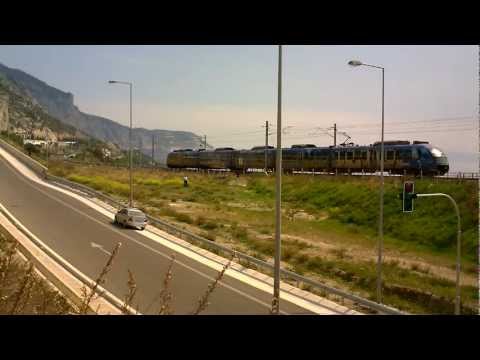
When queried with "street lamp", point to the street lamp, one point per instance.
{"points": [[356, 63], [129, 138], [278, 192]]}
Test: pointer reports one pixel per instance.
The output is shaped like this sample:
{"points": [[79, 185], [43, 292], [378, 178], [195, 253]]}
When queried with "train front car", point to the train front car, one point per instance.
{"points": [[432, 160]]}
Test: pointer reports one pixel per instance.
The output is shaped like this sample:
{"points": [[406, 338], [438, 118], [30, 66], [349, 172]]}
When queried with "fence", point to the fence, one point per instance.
{"points": [[460, 176]]}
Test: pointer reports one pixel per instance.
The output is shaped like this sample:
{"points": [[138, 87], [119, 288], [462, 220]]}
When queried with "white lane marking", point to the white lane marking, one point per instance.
{"points": [[69, 267], [100, 247], [109, 227], [165, 242]]}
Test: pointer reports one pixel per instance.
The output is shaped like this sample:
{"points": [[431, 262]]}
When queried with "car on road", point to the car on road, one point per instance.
{"points": [[131, 217]]}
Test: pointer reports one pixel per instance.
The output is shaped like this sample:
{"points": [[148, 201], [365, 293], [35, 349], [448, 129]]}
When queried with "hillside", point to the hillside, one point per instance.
{"points": [[19, 113], [60, 105]]}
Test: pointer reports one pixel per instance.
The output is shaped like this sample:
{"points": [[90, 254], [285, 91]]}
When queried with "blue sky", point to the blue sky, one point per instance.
{"points": [[228, 92]]}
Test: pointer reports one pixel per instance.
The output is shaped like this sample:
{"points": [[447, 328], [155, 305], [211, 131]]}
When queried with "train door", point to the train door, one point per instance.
{"points": [[404, 157], [349, 162], [364, 160], [389, 159], [426, 161], [357, 159], [308, 157], [341, 164], [374, 159]]}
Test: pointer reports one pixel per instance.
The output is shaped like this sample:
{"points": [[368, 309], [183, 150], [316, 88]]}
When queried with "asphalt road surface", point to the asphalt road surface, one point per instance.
{"points": [[69, 227]]}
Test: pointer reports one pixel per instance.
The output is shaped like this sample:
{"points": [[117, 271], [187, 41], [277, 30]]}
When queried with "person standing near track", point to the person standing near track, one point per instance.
{"points": [[185, 181]]}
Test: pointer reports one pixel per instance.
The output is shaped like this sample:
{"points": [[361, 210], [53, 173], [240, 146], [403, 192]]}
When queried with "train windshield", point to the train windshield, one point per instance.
{"points": [[437, 152]]}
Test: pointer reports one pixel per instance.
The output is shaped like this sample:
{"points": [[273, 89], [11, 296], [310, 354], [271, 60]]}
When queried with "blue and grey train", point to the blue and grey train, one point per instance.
{"points": [[400, 157]]}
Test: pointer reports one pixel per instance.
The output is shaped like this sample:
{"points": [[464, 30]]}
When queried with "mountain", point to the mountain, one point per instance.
{"points": [[60, 105], [21, 114]]}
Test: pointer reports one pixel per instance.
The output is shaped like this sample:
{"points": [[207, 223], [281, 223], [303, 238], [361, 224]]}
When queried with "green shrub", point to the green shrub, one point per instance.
{"points": [[184, 218], [240, 232], [209, 225]]}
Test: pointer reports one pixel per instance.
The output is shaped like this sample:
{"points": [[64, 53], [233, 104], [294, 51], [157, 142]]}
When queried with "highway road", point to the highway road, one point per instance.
{"points": [[69, 227]]}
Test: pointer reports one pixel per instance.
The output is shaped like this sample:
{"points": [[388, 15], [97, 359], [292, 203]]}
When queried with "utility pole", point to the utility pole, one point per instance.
{"points": [[278, 193], [266, 146], [130, 200], [153, 149], [382, 184], [205, 142], [46, 145], [334, 135]]}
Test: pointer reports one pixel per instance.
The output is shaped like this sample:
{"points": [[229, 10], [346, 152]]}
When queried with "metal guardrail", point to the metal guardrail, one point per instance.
{"points": [[23, 158], [460, 175], [190, 237]]}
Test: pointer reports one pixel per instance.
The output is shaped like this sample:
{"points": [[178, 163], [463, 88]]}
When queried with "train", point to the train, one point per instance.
{"points": [[400, 157]]}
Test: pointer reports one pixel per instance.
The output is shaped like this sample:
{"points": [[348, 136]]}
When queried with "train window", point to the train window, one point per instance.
{"points": [[390, 154], [404, 154], [349, 155], [424, 153], [414, 154]]}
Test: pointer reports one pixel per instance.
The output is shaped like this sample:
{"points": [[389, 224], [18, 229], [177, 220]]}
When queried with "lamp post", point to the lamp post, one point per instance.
{"points": [[382, 155], [278, 192], [129, 138]]}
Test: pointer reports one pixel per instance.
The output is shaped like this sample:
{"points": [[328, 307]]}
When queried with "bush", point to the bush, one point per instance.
{"points": [[210, 236], [184, 218], [209, 225], [200, 220], [239, 232]]}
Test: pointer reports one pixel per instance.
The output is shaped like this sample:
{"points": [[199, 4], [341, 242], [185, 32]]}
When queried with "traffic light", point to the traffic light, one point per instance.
{"points": [[408, 196]]}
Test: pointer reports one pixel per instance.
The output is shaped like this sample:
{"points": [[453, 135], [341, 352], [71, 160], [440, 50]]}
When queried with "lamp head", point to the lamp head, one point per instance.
{"points": [[355, 63], [111, 82]]}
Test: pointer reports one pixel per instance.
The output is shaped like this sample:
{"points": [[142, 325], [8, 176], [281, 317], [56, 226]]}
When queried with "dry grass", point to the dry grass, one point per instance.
{"points": [[89, 296], [203, 301], [22, 291], [132, 290], [165, 297], [165, 294]]}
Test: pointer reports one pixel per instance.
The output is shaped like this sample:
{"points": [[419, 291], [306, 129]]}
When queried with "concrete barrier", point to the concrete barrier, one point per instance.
{"points": [[34, 165]]}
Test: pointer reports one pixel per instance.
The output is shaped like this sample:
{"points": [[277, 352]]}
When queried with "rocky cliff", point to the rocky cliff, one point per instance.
{"points": [[3, 112], [60, 105]]}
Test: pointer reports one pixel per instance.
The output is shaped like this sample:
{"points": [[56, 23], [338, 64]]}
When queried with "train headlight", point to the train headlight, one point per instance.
{"points": [[437, 153]]}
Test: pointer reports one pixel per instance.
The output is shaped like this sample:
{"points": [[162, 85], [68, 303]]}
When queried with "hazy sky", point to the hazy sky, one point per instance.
{"points": [[228, 92]]}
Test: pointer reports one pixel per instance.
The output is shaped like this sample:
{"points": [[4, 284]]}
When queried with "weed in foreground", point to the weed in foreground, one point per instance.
{"points": [[132, 290], [89, 296], [165, 296], [23, 290], [203, 301]]}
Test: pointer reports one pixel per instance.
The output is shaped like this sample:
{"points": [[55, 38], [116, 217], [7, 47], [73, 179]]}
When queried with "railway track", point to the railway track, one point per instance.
{"points": [[449, 176]]}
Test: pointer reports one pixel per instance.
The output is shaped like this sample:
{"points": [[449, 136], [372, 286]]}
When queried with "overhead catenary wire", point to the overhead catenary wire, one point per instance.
{"points": [[436, 125]]}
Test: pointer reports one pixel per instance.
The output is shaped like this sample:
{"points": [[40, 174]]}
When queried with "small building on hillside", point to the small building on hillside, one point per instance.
{"points": [[34, 142]]}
